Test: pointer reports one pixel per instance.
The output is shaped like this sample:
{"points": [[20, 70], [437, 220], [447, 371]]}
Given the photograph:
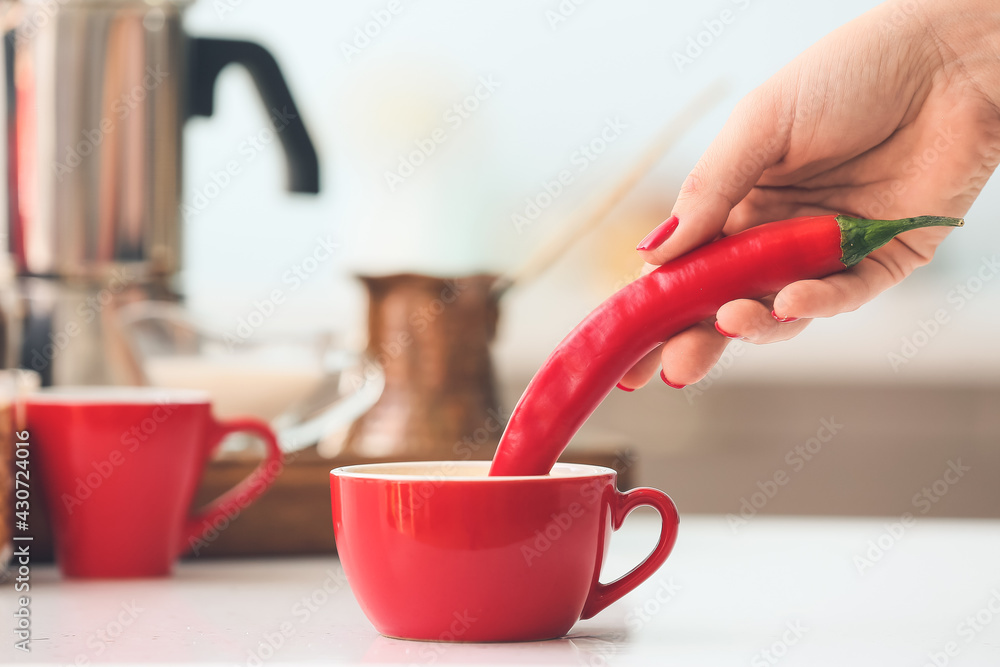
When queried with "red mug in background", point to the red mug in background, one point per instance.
{"points": [[440, 551], [119, 467]]}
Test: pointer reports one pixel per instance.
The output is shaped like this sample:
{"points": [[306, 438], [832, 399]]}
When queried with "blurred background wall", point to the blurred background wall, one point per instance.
{"points": [[500, 97]]}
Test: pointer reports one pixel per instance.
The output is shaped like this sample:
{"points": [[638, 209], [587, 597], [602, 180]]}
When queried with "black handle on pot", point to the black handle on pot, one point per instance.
{"points": [[208, 56]]}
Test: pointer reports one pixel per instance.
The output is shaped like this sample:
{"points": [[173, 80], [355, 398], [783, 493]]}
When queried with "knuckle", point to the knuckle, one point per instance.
{"points": [[692, 187], [797, 297]]}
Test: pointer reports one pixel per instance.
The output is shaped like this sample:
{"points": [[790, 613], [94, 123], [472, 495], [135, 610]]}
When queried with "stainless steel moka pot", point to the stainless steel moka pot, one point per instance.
{"points": [[97, 94]]}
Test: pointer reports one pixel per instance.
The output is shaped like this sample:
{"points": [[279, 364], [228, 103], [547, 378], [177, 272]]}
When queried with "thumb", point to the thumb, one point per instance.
{"points": [[749, 143]]}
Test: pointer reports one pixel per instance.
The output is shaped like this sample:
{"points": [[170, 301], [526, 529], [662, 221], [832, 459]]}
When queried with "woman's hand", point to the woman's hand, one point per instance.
{"points": [[892, 115]]}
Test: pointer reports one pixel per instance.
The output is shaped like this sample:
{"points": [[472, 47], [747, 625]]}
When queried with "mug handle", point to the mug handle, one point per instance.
{"points": [[602, 595], [241, 495]]}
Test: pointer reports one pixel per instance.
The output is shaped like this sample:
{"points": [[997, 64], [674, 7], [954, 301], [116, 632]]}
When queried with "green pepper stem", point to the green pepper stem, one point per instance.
{"points": [[860, 236]]}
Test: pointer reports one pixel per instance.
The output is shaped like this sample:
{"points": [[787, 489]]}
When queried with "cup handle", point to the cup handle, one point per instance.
{"points": [[241, 495], [602, 595]]}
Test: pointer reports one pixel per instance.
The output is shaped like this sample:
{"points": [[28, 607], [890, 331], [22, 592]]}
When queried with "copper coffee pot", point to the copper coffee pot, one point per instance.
{"points": [[431, 336]]}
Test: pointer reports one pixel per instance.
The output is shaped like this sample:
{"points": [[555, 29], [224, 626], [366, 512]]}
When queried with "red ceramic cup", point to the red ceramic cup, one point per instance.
{"points": [[119, 467], [440, 551]]}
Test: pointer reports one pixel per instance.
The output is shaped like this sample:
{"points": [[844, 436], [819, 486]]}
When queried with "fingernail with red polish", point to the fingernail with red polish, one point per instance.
{"points": [[783, 319], [724, 333], [669, 383], [623, 387], [656, 237]]}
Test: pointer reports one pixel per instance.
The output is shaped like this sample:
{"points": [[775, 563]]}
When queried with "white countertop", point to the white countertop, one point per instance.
{"points": [[788, 586]]}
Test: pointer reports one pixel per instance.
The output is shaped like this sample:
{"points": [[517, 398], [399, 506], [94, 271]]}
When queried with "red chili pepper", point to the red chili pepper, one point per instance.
{"points": [[587, 364]]}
